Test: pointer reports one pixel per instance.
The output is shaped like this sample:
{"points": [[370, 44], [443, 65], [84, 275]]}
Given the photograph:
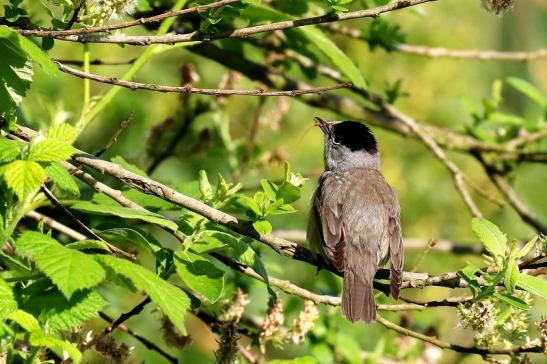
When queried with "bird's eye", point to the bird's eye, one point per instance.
{"points": [[336, 140]]}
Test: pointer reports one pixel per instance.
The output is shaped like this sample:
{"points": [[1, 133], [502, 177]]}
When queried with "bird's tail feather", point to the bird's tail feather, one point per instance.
{"points": [[358, 296]]}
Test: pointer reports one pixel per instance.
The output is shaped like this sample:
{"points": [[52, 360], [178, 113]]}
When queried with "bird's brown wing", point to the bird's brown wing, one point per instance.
{"points": [[396, 255], [328, 208]]}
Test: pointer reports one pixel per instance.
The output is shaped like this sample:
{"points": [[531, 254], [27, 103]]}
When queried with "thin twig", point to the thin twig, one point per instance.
{"points": [[435, 52], [127, 24], [95, 62], [51, 197], [55, 225], [142, 40], [514, 200], [124, 124], [74, 17], [147, 343], [457, 174], [188, 89], [526, 348]]}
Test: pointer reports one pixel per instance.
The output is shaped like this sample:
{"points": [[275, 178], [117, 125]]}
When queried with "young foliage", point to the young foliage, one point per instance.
{"points": [[69, 269], [172, 300]]}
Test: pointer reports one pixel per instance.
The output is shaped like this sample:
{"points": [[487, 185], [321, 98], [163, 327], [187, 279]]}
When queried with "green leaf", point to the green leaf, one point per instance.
{"points": [[288, 193], [7, 301], [534, 285], [49, 150], [264, 227], [243, 252], [208, 241], [131, 235], [269, 188], [300, 360], [89, 244], [70, 270], [512, 300], [527, 247], [24, 177], [490, 235], [64, 133], [130, 167], [529, 90], [172, 300], [62, 179], [200, 275], [511, 275], [204, 186], [15, 72], [260, 13], [125, 213], [339, 58], [61, 347], [62, 314], [59, 313], [31, 49], [25, 320], [9, 150]]}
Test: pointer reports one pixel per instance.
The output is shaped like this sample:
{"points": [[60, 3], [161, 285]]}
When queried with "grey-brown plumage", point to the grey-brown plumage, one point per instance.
{"points": [[355, 219]]}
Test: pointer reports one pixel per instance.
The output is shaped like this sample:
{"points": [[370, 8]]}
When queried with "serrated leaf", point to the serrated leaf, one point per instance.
{"points": [[125, 213], [7, 301], [200, 275], [61, 347], [64, 133], [49, 150], [15, 72], [534, 285], [70, 270], [59, 313], [529, 90], [24, 177], [490, 235], [89, 244], [25, 320], [244, 253], [8, 150], [31, 49], [512, 300], [172, 300], [62, 179]]}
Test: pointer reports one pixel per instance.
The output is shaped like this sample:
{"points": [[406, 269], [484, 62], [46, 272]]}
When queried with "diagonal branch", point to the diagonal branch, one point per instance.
{"points": [[188, 89], [237, 33]]}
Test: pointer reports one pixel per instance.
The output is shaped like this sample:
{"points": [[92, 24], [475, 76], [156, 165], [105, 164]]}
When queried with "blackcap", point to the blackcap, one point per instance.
{"points": [[355, 222]]}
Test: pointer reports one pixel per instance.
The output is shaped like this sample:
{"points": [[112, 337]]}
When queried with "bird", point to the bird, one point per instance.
{"points": [[355, 218]]}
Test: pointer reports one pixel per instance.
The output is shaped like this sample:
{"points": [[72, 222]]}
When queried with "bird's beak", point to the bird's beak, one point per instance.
{"points": [[323, 125]]}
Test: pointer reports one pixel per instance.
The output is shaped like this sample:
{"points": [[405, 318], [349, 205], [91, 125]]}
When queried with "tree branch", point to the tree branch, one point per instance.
{"points": [[188, 89], [127, 24], [141, 40]]}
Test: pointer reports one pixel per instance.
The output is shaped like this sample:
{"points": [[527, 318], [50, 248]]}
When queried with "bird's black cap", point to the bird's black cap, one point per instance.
{"points": [[354, 135]]}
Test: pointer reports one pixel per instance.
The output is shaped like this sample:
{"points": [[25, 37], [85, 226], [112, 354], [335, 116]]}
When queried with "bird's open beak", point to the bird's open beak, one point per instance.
{"points": [[324, 125]]}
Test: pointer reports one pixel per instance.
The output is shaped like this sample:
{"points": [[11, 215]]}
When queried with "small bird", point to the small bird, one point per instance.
{"points": [[355, 222]]}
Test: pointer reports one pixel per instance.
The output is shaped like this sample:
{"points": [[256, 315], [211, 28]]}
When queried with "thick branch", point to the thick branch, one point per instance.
{"points": [[237, 33]]}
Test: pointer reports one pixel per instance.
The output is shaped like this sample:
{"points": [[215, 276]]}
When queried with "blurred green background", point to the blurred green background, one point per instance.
{"points": [[443, 92]]}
